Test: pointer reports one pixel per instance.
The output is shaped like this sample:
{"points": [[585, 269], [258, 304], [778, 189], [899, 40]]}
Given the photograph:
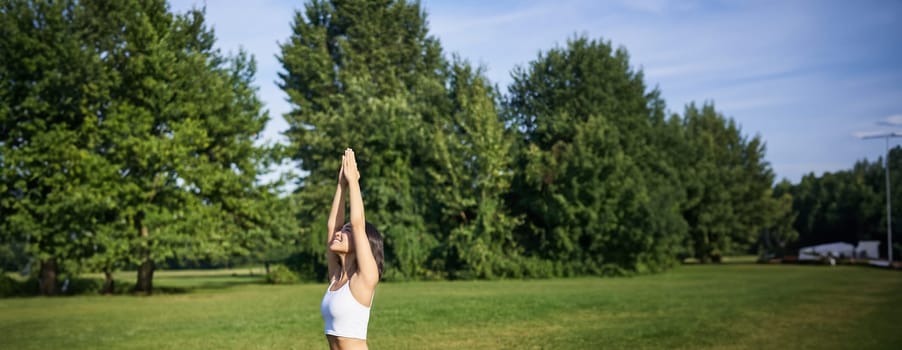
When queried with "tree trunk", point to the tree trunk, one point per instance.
{"points": [[145, 277], [145, 271], [108, 284], [48, 277]]}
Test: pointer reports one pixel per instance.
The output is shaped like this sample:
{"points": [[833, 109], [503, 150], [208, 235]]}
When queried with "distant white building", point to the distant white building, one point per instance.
{"points": [[836, 250], [867, 250], [864, 250]]}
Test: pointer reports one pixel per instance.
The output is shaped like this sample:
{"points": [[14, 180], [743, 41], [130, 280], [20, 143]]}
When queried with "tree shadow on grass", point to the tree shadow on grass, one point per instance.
{"points": [[163, 285], [726, 260], [182, 284]]}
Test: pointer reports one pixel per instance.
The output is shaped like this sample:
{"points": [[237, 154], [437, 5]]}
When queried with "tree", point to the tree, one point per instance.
{"points": [[52, 193], [183, 123], [728, 185], [365, 75], [779, 235], [470, 176], [152, 128], [585, 164]]}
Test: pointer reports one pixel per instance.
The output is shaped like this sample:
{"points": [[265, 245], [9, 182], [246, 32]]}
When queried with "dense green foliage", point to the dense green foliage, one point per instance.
{"points": [[578, 170], [127, 139], [596, 197], [729, 201], [281, 274], [432, 150], [690, 307], [848, 205], [364, 75]]}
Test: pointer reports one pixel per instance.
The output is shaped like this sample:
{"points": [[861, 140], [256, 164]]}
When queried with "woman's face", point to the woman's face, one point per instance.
{"points": [[341, 240]]}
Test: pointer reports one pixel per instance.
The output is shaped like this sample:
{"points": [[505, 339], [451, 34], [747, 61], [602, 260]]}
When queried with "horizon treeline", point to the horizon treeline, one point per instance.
{"points": [[848, 205], [128, 141]]}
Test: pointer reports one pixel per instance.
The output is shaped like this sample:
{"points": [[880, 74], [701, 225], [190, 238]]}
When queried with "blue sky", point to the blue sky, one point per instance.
{"points": [[804, 75]]}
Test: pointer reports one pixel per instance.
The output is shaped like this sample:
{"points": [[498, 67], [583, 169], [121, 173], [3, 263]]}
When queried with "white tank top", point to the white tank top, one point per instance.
{"points": [[344, 315]]}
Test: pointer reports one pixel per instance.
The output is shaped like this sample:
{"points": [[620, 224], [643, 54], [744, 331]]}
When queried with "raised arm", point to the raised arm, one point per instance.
{"points": [[336, 221], [366, 263]]}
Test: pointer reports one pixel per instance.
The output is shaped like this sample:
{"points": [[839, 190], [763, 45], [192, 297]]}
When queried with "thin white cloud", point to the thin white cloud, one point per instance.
{"points": [[893, 120], [875, 134], [470, 25], [781, 69], [651, 6], [771, 65], [803, 168], [659, 7]]}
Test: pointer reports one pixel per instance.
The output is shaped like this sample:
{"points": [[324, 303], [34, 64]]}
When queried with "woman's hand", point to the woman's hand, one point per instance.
{"points": [[341, 173], [349, 166]]}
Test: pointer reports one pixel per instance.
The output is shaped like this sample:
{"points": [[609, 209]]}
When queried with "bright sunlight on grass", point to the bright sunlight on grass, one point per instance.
{"points": [[742, 306]]}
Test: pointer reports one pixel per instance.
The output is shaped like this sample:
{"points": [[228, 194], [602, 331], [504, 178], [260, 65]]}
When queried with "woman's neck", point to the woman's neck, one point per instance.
{"points": [[348, 266]]}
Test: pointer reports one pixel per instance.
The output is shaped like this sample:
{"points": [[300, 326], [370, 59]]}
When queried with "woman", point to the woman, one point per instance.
{"points": [[355, 264]]}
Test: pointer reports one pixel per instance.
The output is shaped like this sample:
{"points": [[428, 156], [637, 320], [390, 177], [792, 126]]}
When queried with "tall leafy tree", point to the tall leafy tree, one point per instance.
{"points": [[162, 125], [186, 119], [52, 193], [366, 75], [586, 120], [470, 176], [729, 198], [779, 236]]}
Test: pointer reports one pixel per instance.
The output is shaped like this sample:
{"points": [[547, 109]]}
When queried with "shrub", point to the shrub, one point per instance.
{"points": [[281, 274], [308, 267], [78, 286], [8, 286], [13, 287]]}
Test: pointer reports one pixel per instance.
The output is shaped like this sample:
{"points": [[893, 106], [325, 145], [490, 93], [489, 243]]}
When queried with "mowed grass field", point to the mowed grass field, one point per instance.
{"points": [[730, 306]]}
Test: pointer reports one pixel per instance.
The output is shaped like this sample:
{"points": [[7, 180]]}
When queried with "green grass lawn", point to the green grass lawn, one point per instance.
{"points": [[740, 306]]}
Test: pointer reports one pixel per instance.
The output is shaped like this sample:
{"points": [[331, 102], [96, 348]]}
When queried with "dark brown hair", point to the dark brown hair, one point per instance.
{"points": [[372, 234]]}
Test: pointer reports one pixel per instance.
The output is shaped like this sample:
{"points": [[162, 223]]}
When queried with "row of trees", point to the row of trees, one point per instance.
{"points": [[577, 169], [126, 139]]}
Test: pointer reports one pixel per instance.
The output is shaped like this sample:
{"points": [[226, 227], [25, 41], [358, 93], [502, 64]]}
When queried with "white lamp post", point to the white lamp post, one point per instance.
{"points": [[889, 227]]}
